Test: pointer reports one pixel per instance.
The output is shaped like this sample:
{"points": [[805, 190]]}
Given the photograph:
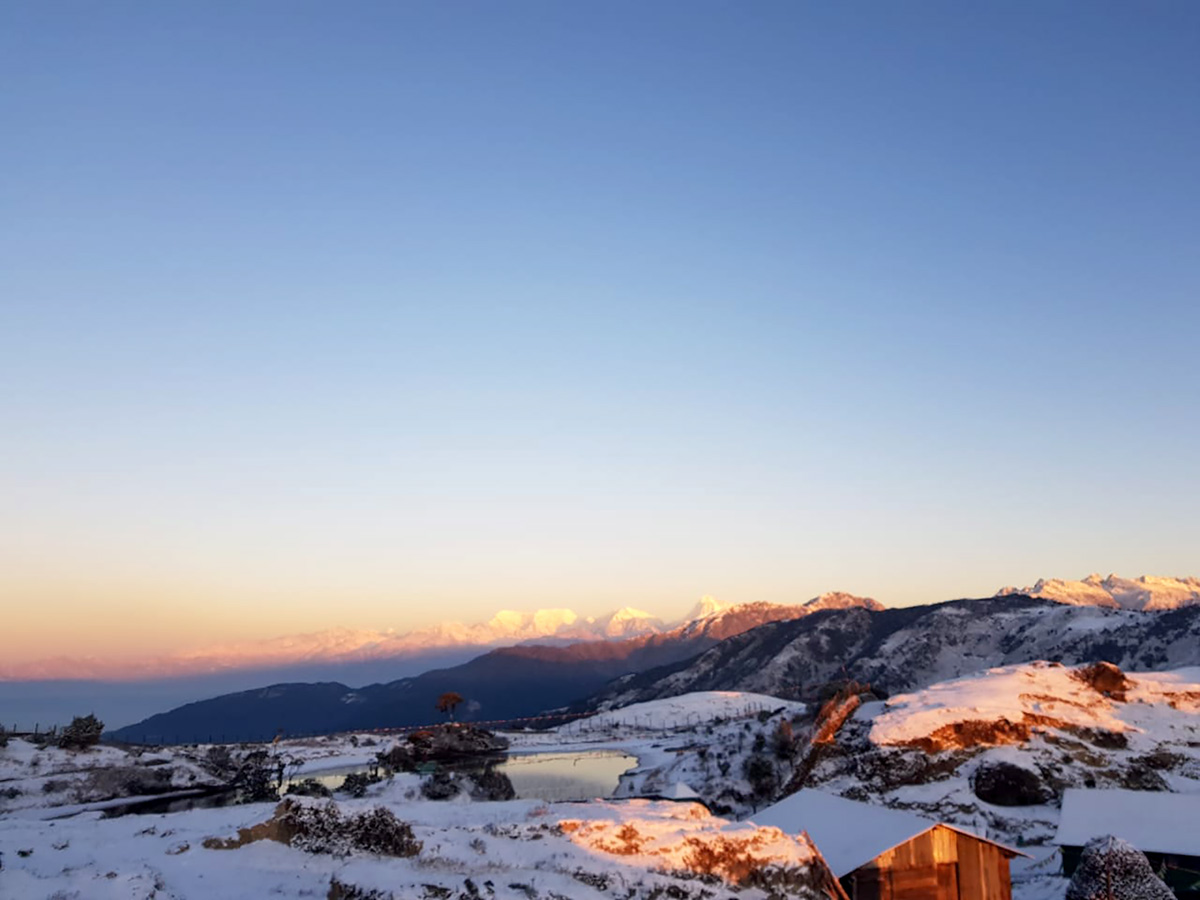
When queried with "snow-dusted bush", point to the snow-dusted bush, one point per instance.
{"points": [[309, 787], [356, 784], [760, 772], [83, 732], [1113, 869], [219, 761], [259, 776], [783, 741], [111, 782], [323, 829], [379, 831]]}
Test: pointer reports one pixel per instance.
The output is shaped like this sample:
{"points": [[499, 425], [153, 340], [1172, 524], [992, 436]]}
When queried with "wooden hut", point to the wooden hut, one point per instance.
{"points": [[1164, 826], [885, 854]]}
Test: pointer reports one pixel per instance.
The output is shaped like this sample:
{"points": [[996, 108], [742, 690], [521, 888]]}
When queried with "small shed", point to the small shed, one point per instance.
{"points": [[886, 854], [1164, 826]]}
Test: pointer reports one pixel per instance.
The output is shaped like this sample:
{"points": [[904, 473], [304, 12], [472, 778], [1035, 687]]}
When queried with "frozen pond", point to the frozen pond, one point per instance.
{"points": [[572, 775], [556, 776]]}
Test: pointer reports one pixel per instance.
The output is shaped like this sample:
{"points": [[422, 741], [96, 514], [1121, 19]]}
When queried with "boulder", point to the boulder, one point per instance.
{"points": [[1006, 784], [454, 741]]}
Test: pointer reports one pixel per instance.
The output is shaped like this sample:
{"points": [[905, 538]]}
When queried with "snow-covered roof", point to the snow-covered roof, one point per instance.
{"points": [[849, 834], [1154, 821], [679, 791]]}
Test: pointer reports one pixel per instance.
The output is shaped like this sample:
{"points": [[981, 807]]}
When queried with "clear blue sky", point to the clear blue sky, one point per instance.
{"points": [[383, 313]]}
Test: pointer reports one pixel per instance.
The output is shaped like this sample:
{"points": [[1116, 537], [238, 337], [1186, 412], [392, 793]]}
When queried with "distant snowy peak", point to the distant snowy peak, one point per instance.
{"points": [[1148, 593], [540, 623], [842, 600], [507, 627], [708, 606], [626, 622], [728, 620]]}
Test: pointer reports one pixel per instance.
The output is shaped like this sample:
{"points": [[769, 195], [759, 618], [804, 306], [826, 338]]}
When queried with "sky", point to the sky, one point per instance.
{"points": [[381, 314]]}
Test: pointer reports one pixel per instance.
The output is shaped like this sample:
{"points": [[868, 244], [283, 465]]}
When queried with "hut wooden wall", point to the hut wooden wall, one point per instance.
{"points": [[941, 864]]}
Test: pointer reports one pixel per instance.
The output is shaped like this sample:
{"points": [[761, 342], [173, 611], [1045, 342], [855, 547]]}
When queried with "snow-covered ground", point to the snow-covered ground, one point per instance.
{"points": [[925, 751], [1156, 704], [516, 849], [525, 848]]}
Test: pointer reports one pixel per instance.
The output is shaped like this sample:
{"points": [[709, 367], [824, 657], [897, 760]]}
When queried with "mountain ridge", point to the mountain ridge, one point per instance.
{"points": [[1147, 593], [905, 648], [506, 682], [336, 645]]}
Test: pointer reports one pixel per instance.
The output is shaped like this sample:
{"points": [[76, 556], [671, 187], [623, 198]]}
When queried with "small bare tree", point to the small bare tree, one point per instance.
{"points": [[448, 701]]}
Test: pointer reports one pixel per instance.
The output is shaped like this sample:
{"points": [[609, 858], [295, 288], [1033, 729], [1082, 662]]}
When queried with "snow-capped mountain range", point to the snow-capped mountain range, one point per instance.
{"points": [[1148, 593], [347, 645], [338, 646], [507, 682], [908, 648]]}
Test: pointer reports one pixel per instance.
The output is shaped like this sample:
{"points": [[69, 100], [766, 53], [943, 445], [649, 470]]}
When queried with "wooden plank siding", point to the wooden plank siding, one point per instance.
{"points": [[939, 864]]}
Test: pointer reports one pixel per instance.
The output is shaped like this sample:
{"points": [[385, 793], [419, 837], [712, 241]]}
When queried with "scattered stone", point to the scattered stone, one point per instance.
{"points": [[1105, 679], [1161, 759], [1140, 777]]}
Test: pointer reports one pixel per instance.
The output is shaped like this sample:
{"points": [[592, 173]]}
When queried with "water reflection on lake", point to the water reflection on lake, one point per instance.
{"points": [[579, 775], [566, 776], [570, 775], [330, 778]]}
